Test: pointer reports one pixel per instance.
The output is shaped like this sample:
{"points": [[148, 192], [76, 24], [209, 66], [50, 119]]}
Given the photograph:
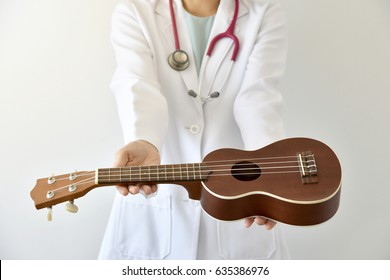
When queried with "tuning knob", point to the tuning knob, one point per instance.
{"points": [[49, 214], [71, 207]]}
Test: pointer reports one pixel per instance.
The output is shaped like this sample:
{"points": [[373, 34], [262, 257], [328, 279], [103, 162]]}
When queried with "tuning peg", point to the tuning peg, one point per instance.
{"points": [[71, 207], [49, 214], [73, 175]]}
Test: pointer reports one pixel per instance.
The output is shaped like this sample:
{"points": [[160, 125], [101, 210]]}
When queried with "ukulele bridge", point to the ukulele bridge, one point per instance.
{"points": [[308, 167]]}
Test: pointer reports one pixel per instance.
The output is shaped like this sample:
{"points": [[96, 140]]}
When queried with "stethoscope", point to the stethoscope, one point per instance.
{"points": [[179, 59]]}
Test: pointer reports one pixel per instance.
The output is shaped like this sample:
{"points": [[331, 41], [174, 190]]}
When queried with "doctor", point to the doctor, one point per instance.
{"points": [[182, 91]]}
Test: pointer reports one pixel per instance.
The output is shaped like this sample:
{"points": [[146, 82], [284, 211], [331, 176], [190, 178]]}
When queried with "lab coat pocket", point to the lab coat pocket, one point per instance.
{"points": [[235, 241], [144, 227]]}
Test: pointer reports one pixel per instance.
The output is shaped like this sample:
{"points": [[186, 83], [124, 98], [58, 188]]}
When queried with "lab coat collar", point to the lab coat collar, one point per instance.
{"points": [[226, 7]]}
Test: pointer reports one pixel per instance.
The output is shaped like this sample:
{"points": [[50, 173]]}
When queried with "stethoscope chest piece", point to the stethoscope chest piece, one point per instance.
{"points": [[179, 60]]}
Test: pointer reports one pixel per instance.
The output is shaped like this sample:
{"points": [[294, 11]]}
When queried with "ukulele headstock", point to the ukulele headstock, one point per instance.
{"points": [[53, 190]]}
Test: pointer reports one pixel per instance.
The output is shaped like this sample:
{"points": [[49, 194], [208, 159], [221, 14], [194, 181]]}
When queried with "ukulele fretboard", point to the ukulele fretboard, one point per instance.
{"points": [[152, 174]]}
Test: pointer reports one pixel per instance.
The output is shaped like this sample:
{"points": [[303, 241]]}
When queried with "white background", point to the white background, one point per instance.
{"points": [[57, 114]]}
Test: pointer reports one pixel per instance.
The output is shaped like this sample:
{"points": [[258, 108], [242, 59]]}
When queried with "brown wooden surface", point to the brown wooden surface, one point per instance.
{"points": [[266, 206], [288, 185]]}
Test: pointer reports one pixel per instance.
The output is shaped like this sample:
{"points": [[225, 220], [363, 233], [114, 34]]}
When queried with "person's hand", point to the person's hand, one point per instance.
{"points": [[268, 224], [135, 154]]}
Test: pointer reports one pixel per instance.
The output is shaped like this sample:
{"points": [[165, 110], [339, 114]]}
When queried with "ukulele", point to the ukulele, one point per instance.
{"points": [[295, 181]]}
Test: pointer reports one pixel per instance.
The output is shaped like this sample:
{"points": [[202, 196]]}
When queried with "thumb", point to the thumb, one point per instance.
{"points": [[121, 158]]}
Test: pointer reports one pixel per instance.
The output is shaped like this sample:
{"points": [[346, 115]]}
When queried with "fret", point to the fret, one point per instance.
{"points": [[153, 173], [176, 172], [193, 170], [130, 178], [124, 174], [144, 177], [99, 175], [165, 167], [162, 173], [170, 174], [138, 173], [181, 174]]}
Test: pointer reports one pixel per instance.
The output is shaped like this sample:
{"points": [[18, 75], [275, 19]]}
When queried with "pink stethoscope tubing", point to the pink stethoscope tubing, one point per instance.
{"points": [[182, 61], [229, 33]]}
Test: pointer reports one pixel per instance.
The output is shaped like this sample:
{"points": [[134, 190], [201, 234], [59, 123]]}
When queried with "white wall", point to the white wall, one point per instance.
{"points": [[337, 89], [57, 115]]}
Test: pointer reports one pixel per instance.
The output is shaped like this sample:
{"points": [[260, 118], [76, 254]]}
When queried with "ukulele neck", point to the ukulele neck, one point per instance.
{"points": [[153, 174]]}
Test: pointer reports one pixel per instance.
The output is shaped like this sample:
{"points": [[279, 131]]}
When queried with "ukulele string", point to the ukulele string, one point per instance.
{"points": [[78, 183], [198, 169], [251, 159], [253, 165], [219, 174], [242, 161], [82, 174], [263, 163], [260, 166]]}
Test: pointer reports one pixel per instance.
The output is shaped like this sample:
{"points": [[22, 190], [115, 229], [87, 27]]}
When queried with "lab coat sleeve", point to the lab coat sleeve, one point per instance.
{"points": [[141, 106], [258, 105]]}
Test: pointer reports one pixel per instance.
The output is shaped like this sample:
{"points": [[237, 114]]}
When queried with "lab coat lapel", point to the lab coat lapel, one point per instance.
{"points": [[223, 48]]}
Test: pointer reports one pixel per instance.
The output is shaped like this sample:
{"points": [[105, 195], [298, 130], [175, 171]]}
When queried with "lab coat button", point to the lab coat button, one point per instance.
{"points": [[194, 129]]}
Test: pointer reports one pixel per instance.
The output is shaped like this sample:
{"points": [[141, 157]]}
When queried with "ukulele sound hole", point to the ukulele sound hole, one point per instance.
{"points": [[246, 171]]}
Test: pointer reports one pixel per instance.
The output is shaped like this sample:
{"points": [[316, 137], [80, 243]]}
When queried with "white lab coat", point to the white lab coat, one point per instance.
{"points": [[153, 105]]}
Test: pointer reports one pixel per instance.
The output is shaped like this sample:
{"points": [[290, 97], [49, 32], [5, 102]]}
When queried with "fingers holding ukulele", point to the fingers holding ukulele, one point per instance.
{"points": [[135, 154], [145, 190], [261, 221]]}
